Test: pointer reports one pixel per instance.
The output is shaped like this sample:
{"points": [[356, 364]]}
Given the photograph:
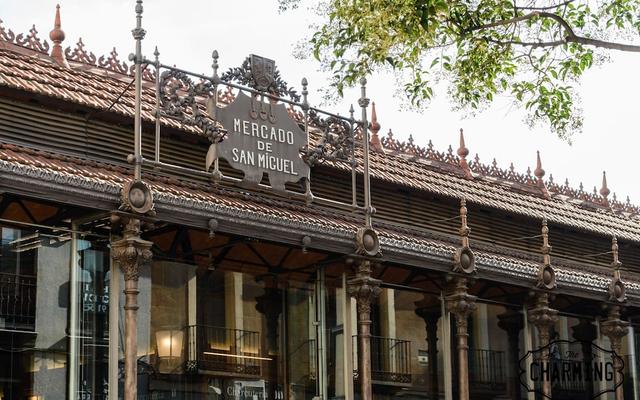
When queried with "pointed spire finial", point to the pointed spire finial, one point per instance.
{"points": [[463, 152], [539, 174], [376, 145], [604, 190], [57, 37]]}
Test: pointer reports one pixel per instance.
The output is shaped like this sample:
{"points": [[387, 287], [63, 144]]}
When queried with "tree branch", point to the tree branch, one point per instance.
{"points": [[570, 36], [566, 3]]}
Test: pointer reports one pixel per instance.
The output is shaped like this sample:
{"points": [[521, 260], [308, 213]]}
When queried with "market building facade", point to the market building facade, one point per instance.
{"points": [[169, 235]]}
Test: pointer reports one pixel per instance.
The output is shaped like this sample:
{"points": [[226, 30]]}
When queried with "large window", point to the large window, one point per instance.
{"points": [[53, 317], [239, 320]]}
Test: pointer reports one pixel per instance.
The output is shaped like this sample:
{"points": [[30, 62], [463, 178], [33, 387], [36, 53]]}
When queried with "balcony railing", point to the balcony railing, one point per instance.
{"points": [[17, 301], [486, 368], [222, 351], [390, 360]]}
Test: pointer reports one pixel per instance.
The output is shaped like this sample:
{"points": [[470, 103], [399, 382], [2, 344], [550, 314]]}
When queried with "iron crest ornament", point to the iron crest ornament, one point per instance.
{"points": [[263, 71], [262, 138], [260, 73]]}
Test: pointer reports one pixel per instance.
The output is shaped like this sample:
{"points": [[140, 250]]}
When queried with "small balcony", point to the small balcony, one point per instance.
{"points": [[17, 301], [390, 361], [487, 371], [223, 352]]}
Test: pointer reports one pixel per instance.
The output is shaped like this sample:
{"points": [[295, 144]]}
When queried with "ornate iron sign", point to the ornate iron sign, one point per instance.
{"points": [[262, 138]]}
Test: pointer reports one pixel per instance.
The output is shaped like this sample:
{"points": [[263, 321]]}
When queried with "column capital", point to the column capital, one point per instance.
{"points": [[458, 301], [363, 287], [541, 315], [614, 327], [131, 252]]}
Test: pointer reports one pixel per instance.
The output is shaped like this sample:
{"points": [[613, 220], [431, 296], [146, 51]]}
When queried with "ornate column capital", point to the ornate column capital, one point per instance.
{"points": [[614, 327], [541, 315], [131, 251], [459, 302], [363, 287]]}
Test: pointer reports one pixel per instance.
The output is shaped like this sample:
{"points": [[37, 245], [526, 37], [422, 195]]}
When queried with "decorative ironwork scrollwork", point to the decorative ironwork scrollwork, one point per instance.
{"points": [[243, 75], [336, 143], [6, 34], [79, 54], [32, 41], [113, 63], [178, 93]]}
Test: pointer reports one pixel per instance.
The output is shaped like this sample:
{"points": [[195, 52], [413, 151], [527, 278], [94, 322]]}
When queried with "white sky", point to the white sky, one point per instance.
{"points": [[187, 31]]}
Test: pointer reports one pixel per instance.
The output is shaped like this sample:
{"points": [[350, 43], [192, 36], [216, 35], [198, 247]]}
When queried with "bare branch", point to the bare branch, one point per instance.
{"points": [[563, 4], [554, 43], [570, 36]]}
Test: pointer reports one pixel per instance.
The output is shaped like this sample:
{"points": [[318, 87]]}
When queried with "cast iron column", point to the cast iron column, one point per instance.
{"points": [[431, 314], [364, 289], [543, 318], [461, 304], [586, 333], [512, 322], [131, 252], [615, 329]]}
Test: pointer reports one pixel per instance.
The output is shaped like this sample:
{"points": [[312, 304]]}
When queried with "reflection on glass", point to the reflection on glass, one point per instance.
{"points": [[35, 304]]}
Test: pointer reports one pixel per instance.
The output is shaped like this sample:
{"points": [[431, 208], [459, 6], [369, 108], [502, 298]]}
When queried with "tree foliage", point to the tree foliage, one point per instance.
{"points": [[531, 50]]}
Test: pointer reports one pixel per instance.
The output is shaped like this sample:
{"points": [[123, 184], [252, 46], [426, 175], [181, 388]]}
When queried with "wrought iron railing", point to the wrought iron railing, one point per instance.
{"points": [[390, 360], [487, 368], [224, 351], [17, 301]]}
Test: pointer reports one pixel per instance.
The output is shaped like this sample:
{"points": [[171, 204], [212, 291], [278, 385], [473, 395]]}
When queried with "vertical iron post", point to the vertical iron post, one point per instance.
{"points": [[364, 103], [138, 35], [305, 110], [156, 54], [213, 112], [354, 164]]}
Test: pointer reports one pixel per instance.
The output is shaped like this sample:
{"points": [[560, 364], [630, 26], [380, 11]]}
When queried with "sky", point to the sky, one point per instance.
{"points": [[186, 33]]}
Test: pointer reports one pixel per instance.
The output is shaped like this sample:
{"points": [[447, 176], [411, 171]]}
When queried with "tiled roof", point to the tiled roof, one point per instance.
{"points": [[74, 172], [98, 84]]}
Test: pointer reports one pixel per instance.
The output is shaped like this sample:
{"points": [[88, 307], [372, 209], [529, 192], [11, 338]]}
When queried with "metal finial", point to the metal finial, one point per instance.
{"points": [[214, 64], [464, 228], [138, 32], [604, 190], [305, 92], [614, 251], [462, 151], [156, 54], [57, 37], [538, 172], [351, 112], [546, 248]]}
